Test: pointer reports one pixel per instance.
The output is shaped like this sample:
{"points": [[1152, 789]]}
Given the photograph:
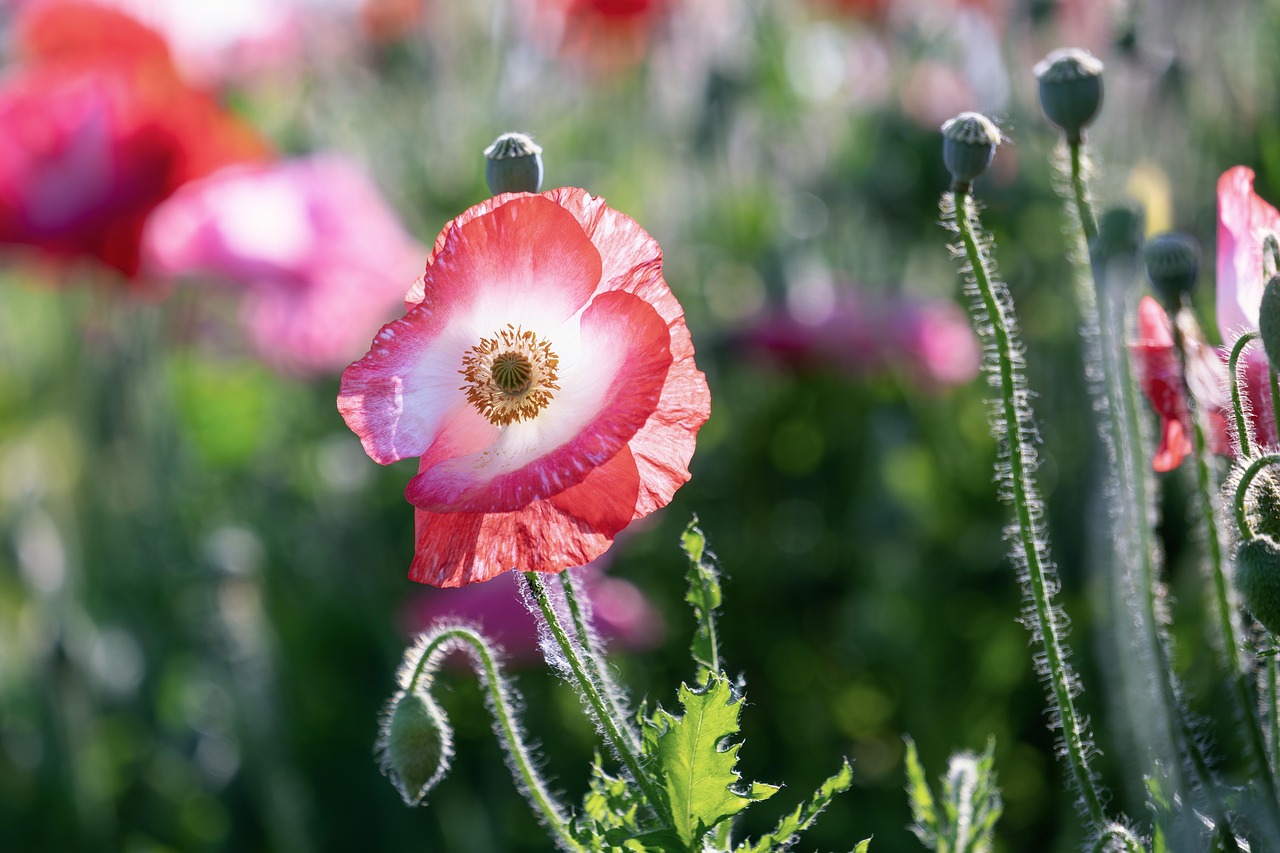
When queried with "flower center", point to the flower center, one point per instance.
{"points": [[510, 376]]}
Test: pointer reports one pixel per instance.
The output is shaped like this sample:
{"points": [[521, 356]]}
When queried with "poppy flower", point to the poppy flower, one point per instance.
{"points": [[600, 35], [321, 256], [99, 129], [1159, 374], [862, 335], [544, 377], [1245, 221]]}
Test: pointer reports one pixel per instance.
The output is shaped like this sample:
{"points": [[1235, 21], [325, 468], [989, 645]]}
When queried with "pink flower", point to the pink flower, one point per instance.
{"points": [[99, 129], [321, 255], [621, 615], [1245, 222], [544, 376], [1159, 376], [860, 334]]}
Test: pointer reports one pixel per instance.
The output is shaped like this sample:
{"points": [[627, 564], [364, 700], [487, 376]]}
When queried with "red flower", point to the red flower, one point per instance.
{"points": [[603, 35], [544, 375], [1159, 376], [99, 129]]}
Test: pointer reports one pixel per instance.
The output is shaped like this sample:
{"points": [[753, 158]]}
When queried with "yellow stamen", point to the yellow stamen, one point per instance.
{"points": [[510, 376]]}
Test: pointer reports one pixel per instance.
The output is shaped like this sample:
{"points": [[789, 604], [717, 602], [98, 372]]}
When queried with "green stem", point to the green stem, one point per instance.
{"points": [[612, 727], [1275, 399], [594, 658], [1015, 413], [1237, 404], [1081, 190], [1244, 698], [509, 733], [1273, 711], [1116, 833], [1242, 489]]}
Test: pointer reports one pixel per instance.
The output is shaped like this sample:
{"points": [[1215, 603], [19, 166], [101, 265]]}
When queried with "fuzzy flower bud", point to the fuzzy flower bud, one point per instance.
{"points": [[1269, 320], [1258, 579], [1070, 90], [514, 164], [968, 145], [416, 744], [1173, 262]]}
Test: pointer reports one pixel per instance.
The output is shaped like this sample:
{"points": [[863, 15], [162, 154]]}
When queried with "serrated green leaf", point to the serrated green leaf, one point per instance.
{"points": [[804, 815], [697, 771], [963, 818], [704, 597], [923, 810]]}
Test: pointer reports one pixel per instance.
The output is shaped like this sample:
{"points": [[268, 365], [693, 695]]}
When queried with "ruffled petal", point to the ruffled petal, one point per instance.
{"points": [[608, 391], [458, 548], [1174, 446], [1244, 221], [398, 397]]}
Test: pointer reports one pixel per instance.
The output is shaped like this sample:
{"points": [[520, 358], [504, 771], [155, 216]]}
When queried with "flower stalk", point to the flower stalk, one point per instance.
{"points": [[430, 651], [1015, 430], [614, 729]]}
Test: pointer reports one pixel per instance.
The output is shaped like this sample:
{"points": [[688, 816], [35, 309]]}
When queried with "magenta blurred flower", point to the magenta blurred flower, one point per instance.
{"points": [[322, 257], [99, 128], [621, 615], [863, 335], [1245, 222]]}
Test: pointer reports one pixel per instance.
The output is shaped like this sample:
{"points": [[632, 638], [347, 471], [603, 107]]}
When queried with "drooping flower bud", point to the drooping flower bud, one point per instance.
{"points": [[1269, 320], [416, 744], [1070, 89], [1173, 262], [514, 164], [1258, 579], [968, 145]]}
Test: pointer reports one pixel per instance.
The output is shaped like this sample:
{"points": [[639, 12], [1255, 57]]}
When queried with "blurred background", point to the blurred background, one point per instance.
{"points": [[207, 211]]}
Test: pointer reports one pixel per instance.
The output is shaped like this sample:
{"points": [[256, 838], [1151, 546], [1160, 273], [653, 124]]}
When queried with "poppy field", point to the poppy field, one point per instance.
{"points": [[639, 425]]}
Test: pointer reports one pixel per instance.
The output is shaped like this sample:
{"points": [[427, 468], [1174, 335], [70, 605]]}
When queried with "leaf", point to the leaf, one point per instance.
{"points": [[923, 810], [695, 768], [863, 846], [704, 597], [963, 818], [805, 814]]}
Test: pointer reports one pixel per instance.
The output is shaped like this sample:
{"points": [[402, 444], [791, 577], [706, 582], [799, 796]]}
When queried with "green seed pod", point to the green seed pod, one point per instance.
{"points": [[968, 145], [514, 164], [1258, 580], [1269, 321], [1070, 90], [1173, 262], [416, 745]]}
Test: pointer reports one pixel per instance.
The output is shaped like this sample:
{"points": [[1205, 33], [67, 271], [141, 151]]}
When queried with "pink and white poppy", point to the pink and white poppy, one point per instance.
{"points": [[544, 376]]}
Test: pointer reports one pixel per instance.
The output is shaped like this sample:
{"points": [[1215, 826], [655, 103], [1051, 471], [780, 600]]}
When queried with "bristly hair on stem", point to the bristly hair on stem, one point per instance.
{"points": [[1014, 428]]}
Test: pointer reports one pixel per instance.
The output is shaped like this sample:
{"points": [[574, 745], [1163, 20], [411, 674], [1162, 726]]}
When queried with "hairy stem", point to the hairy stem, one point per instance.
{"points": [[994, 322], [1237, 404], [1223, 609], [614, 729], [495, 682], [593, 657], [1081, 190]]}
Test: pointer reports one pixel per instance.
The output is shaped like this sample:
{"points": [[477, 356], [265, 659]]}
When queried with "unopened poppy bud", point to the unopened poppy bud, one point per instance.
{"points": [[514, 164], [1258, 580], [968, 145], [1173, 262], [416, 745], [1269, 320], [1119, 234], [1070, 89]]}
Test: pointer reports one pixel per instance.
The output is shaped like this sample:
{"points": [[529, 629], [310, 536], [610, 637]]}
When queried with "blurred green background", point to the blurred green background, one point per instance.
{"points": [[202, 577]]}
